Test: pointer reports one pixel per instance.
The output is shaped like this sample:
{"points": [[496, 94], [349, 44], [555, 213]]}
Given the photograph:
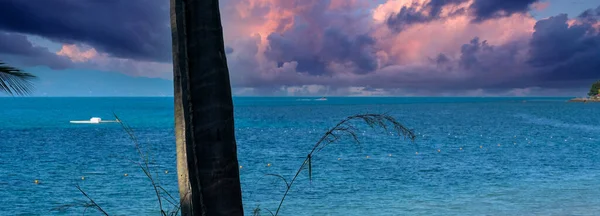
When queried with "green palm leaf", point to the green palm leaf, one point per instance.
{"points": [[14, 81]]}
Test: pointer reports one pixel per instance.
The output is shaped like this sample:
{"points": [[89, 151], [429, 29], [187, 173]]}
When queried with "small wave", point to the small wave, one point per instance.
{"points": [[95, 173], [555, 123]]}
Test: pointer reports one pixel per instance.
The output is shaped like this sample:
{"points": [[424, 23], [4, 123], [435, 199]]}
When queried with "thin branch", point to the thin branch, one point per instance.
{"points": [[256, 211], [79, 203], [281, 177], [93, 203], [271, 212], [168, 195], [144, 165], [145, 159]]}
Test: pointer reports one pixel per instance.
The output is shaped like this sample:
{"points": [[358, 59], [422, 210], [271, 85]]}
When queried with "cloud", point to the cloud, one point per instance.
{"points": [[134, 29], [489, 9], [442, 51], [344, 47], [567, 52], [469, 53], [73, 52], [85, 57], [314, 56], [540, 6], [423, 12], [17, 48]]}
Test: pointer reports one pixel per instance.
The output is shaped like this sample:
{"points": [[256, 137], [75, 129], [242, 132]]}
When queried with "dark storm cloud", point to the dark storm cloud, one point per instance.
{"points": [[18, 47], [340, 47], [489, 9], [313, 55], [435, 6], [442, 62], [289, 47], [480, 10], [408, 16], [479, 66], [136, 29], [318, 38], [441, 59], [469, 53], [556, 56], [590, 14], [563, 52]]}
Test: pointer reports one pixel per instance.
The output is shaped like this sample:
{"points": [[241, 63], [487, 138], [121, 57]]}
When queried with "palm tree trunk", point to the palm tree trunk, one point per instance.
{"points": [[180, 136], [207, 165]]}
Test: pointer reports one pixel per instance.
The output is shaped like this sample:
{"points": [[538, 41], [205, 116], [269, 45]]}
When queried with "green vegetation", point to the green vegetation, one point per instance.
{"points": [[14, 81], [595, 89]]}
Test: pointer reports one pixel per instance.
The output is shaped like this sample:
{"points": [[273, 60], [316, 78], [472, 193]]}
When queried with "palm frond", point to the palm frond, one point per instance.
{"points": [[15, 81]]}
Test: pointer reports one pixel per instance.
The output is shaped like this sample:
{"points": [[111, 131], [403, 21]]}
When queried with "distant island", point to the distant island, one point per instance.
{"points": [[593, 95]]}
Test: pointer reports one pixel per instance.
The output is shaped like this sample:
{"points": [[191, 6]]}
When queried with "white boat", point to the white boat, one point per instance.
{"points": [[93, 120], [324, 98]]}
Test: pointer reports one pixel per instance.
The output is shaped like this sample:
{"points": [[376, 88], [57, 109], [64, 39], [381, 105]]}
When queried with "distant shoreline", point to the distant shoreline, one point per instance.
{"points": [[584, 100]]}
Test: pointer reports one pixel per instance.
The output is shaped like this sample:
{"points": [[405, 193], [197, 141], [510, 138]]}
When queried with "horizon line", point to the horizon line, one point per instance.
{"points": [[266, 96]]}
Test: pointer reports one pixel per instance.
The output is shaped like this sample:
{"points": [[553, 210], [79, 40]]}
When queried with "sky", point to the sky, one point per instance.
{"points": [[315, 47]]}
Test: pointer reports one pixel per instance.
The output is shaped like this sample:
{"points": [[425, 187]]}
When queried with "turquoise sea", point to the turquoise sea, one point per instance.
{"points": [[497, 156]]}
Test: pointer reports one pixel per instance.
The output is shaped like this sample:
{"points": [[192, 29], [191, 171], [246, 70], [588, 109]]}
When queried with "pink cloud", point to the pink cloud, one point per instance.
{"points": [[421, 41], [348, 4], [84, 56], [540, 6], [402, 57], [75, 54]]}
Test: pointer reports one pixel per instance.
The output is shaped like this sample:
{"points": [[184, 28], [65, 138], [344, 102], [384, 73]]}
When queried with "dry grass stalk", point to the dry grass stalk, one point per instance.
{"points": [[144, 164], [344, 127]]}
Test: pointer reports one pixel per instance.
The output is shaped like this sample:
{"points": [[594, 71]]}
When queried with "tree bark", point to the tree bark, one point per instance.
{"points": [[179, 68], [207, 165]]}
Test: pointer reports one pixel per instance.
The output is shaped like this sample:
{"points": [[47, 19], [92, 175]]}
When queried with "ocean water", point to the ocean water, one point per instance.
{"points": [[497, 156]]}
